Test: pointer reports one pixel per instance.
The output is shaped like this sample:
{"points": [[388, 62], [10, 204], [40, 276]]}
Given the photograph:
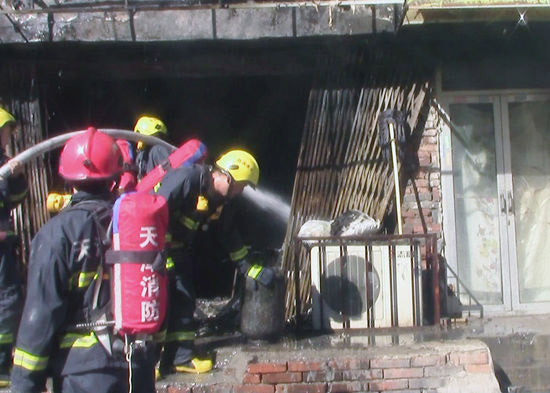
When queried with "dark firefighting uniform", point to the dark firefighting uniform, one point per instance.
{"points": [[182, 188], [68, 284], [148, 158], [12, 192]]}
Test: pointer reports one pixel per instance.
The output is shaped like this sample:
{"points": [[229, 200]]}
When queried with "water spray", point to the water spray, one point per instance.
{"points": [[267, 200]]}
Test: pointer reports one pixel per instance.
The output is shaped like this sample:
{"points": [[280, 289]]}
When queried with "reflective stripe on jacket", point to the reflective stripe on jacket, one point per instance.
{"points": [[64, 257]]}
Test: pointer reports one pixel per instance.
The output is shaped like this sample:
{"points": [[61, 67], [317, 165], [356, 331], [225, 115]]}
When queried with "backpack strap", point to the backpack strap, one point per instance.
{"points": [[155, 258], [102, 214], [101, 318]]}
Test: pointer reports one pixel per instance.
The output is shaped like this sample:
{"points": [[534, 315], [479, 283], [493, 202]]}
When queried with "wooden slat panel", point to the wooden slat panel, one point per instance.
{"points": [[339, 164], [19, 96]]}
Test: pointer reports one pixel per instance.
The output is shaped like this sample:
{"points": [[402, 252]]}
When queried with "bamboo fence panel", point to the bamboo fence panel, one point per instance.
{"points": [[339, 165], [19, 94]]}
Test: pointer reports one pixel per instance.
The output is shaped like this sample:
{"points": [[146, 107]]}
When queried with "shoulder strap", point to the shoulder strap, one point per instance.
{"points": [[102, 214]]}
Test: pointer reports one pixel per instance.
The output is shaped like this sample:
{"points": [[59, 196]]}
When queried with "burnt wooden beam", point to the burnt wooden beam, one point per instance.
{"points": [[132, 21]]}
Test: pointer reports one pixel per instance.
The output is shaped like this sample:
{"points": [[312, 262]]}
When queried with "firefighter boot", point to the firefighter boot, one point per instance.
{"points": [[195, 366], [158, 374], [4, 379]]}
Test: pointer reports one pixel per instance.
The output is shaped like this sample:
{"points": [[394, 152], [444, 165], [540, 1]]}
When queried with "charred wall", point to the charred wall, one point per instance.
{"points": [[260, 111], [246, 94], [243, 93]]}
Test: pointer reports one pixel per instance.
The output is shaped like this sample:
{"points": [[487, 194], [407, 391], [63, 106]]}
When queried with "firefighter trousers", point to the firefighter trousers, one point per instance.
{"points": [[140, 378], [105, 381], [11, 301], [180, 332]]}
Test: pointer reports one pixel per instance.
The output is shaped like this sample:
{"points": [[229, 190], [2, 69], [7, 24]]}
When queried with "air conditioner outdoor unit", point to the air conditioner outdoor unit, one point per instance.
{"points": [[342, 297]]}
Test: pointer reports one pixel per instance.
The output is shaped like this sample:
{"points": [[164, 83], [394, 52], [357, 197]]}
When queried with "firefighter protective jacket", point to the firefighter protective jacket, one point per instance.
{"points": [[184, 189], [63, 276], [12, 192], [148, 158]]}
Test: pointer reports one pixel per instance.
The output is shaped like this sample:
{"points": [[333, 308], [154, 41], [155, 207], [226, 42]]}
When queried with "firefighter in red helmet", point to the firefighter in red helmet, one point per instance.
{"points": [[69, 293], [13, 190]]}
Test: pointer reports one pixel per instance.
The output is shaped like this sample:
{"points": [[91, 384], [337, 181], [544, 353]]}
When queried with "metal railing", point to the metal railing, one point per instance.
{"points": [[458, 300], [368, 281]]}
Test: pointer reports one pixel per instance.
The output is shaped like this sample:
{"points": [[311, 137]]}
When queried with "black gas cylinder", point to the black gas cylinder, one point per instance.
{"points": [[263, 310]]}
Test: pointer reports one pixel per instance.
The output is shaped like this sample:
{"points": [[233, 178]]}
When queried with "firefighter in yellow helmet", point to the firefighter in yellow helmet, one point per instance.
{"points": [[6, 118], [12, 192], [243, 170], [241, 166], [148, 157], [197, 196]]}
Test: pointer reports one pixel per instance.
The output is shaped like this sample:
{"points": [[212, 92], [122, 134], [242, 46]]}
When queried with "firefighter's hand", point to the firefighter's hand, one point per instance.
{"points": [[266, 276], [15, 167], [8, 237], [258, 273]]}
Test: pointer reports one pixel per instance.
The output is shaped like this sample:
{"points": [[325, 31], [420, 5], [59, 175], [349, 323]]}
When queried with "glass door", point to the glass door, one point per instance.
{"points": [[479, 228], [496, 161], [526, 129]]}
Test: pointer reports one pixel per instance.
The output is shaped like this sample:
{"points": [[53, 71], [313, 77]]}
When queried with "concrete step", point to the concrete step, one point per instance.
{"points": [[534, 378], [522, 362], [526, 349]]}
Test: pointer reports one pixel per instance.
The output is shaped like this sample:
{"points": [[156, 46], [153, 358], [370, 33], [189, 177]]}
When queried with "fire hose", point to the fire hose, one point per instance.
{"points": [[58, 141]]}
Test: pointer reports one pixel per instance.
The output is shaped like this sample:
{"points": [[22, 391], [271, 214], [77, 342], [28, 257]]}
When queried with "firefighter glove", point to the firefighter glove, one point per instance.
{"points": [[261, 274]]}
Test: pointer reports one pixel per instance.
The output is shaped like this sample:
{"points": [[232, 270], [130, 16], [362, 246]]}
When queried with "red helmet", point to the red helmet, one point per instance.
{"points": [[90, 155]]}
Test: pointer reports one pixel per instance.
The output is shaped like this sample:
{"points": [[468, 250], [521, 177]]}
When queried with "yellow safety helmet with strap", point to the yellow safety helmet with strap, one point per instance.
{"points": [[148, 125], [241, 165], [6, 117]]}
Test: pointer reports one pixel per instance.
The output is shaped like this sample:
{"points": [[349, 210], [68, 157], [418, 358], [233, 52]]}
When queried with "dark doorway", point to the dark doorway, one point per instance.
{"points": [[263, 114]]}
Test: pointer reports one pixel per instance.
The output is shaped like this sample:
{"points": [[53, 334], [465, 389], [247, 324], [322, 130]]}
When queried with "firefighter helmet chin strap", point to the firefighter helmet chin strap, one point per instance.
{"points": [[212, 196], [114, 185], [231, 183]]}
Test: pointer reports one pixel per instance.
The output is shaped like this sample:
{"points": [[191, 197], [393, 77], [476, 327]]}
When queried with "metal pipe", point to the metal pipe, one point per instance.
{"points": [[58, 141]]}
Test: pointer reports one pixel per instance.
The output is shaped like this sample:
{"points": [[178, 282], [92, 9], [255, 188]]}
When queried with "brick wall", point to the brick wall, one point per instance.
{"points": [[454, 367], [428, 184]]}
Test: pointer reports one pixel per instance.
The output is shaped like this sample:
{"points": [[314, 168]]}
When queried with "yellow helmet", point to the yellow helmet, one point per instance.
{"points": [[241, 165], [148, 125], [6, 117], [56, 202]]}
